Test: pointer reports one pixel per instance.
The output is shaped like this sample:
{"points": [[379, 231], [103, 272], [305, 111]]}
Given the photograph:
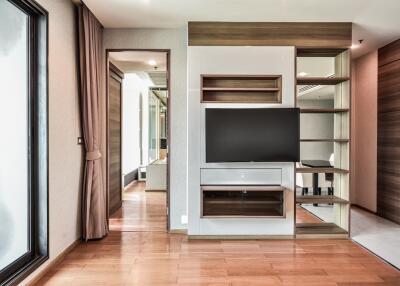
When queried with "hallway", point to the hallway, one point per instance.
{"points": [[141, 210]]}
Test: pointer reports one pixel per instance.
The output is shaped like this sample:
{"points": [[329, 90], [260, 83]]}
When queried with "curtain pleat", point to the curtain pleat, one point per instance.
{"points": [[94, 197]]}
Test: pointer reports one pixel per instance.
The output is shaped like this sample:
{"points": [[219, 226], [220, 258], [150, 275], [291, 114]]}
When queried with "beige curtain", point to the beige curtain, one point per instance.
{"points": [[94, 197]]}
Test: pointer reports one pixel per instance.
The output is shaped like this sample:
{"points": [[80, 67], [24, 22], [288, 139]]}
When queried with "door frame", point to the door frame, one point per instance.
{"points": [[168, 55]]}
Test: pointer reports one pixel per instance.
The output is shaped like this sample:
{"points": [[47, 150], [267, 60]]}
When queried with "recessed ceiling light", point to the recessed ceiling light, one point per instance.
{"points": [[355, 46], [303, 73], [152, 62]]}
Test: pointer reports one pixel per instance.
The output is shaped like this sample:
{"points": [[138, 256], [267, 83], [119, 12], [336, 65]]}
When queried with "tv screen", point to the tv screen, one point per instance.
{"points": [[252, 135]]}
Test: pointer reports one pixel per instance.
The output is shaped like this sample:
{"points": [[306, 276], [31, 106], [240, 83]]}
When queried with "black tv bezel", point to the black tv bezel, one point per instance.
{"points": [[252, 161]]}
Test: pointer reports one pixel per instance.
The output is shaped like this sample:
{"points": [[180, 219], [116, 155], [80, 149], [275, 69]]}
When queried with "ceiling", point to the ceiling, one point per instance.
{"points": [[132, 61], [375, 21]]}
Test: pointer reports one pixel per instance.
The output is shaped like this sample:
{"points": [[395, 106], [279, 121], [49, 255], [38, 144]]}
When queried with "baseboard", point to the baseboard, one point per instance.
{"points": [[130, 177], [240, 237], [364, 209], [178, 231], [155, 190], [57, 260]]}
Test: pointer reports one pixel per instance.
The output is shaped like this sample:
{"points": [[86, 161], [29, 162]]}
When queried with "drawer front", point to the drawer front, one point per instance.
{"points": [[270, 176]]}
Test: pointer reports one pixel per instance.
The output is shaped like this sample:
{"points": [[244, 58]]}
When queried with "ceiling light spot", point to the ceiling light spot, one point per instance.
{"points": [[152, 62], [302, 73]]}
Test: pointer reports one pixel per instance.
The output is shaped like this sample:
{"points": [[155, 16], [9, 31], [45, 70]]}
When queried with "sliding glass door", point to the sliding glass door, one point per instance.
{"points": [[23, 144], [14, 125]]}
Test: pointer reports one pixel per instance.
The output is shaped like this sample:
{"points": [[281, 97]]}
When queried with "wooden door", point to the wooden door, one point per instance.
{"points": [[115, 77]]}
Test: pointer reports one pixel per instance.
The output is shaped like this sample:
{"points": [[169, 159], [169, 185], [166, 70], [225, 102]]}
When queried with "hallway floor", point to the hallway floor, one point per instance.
{"points": [[141, 210]]}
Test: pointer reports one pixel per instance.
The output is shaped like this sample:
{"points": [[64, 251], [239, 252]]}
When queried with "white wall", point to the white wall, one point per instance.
{"points": [[316, 126], [175, 40], [135, 91], [235, 60], [65, 156], [364, 134]]}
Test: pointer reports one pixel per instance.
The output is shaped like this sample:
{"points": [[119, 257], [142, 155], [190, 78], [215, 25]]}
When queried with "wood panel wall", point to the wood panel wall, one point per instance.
{"points": [[114, 139], [301, 34], [388, 181]]}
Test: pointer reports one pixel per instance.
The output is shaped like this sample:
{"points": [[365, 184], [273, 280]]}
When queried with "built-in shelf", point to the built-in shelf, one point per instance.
{"points": [[321, 170], [323, 230], [326, 140], [321, 80], [242, 201], [337, 84], [324, 110], [312, 52], [320, 200], [241, 88]]}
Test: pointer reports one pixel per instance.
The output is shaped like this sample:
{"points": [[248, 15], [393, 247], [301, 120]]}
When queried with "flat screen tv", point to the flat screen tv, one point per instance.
{"points": [[252, 135]]}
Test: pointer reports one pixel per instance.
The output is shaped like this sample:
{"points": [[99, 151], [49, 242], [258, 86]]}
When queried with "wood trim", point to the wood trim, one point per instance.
{"points": [[331, 35], [321, 80], [324, 110], [321, 170], [315, 52], [116, 70], [169, 110], [320, 200], [53, 263], [326, 140]]}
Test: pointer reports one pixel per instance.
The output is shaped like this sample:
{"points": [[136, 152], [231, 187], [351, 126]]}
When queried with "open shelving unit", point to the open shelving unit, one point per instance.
{"points": [[242, 201], [241, 88], [339, 83]]}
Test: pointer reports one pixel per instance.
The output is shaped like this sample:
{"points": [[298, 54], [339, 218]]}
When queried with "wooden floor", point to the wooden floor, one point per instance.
{"points": [[158, 258], [304, 216], [141, 210]]}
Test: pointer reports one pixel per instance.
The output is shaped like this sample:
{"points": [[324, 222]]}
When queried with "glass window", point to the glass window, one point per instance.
{"points": [[14, 147], [23, 145]]}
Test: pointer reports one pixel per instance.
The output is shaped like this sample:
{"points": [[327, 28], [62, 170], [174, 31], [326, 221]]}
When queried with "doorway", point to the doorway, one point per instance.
{"points": [[138, 136]]}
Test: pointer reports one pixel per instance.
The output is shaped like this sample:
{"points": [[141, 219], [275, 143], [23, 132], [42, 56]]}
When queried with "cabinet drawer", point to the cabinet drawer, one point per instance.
{"points": [[240, 176]]}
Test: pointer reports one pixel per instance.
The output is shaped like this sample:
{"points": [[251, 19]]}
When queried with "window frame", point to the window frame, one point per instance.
{"points": [[38, 219]]}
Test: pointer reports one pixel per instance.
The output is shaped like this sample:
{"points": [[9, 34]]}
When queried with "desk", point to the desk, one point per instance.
{"points": [[316, 164]]}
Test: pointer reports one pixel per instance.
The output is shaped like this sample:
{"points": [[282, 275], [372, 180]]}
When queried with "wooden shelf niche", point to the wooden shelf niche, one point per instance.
{"points": [[241, 88], [242, 201]]}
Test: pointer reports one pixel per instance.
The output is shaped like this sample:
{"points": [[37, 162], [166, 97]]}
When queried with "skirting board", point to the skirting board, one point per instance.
{"points": [[151, 190], [364, 209], [240, 237], [130, 177], [58, 259]]}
